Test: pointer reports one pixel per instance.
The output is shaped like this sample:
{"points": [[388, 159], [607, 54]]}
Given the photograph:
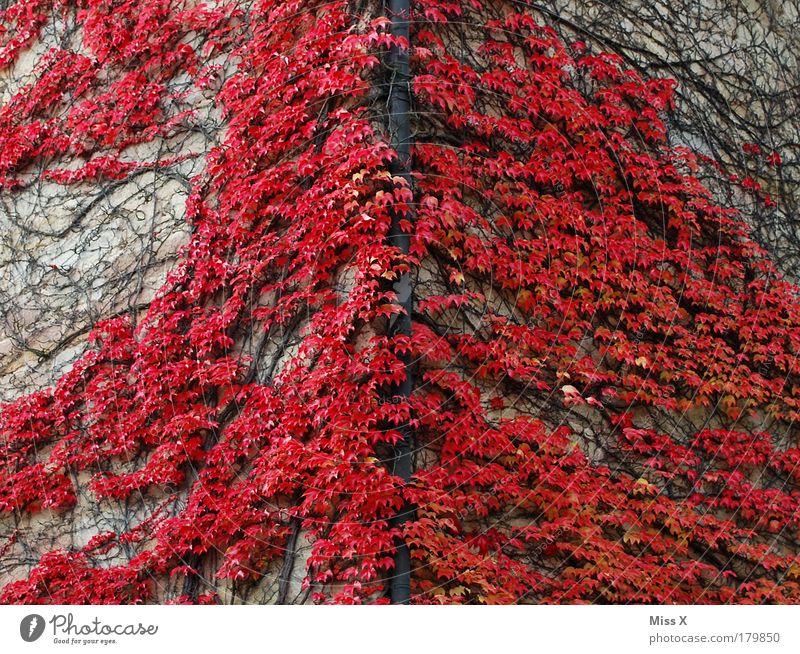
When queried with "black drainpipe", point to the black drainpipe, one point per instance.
{"points": [[400, 133]]}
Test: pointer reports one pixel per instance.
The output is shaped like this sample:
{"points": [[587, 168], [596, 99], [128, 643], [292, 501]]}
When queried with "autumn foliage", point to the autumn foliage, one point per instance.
{"points": [[605, 364]]}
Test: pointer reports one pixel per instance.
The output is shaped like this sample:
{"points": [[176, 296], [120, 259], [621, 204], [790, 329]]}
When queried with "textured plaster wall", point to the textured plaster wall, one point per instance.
{"points": [[71, 255]]}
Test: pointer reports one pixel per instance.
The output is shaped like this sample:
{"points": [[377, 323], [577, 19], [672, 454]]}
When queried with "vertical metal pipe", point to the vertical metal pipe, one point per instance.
{"points": [[399, 103]]}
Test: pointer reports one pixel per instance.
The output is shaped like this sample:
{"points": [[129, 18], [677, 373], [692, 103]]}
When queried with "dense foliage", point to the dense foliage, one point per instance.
{"points": [[606, 364]]}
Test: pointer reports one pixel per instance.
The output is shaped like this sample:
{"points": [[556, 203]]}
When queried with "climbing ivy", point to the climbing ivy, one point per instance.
{"points": [[606, 363]]}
